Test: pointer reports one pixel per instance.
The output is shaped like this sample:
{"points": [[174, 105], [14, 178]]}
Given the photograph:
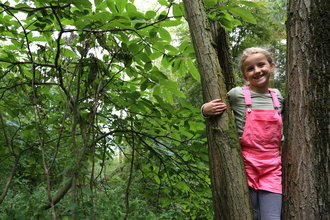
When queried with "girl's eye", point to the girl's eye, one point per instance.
{"points": [[262, 64]]}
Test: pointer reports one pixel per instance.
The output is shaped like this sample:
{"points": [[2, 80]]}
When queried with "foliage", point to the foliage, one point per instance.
{"points": [[83, 82], [226, 14], [79, 85]]}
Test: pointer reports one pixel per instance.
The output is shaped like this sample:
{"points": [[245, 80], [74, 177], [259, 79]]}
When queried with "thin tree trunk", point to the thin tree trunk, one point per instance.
{"points": [[230, 193], [272, 76], [306, 151], [17, 157]]}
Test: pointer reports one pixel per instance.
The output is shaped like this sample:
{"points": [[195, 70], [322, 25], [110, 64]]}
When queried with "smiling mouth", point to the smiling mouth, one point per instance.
{"points": [[259, 76]]}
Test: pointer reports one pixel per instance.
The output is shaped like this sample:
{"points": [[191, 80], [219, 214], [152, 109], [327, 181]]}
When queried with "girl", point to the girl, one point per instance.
{"points": [[257, 111]]}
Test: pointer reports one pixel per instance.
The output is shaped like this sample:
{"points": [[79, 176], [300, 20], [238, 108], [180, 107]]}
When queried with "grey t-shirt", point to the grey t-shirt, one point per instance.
{"points": [[259, 101]]}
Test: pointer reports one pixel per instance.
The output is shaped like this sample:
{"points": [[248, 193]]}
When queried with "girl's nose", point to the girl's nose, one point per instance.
{"points": [[257, 70]]}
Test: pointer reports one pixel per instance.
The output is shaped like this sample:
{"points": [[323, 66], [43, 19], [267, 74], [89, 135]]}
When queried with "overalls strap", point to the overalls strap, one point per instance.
{"points": [[275, 99], [247, 96]]}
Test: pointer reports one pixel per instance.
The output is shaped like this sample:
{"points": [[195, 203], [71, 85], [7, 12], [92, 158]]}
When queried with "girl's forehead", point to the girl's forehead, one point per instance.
{"points": [[254, 58]]}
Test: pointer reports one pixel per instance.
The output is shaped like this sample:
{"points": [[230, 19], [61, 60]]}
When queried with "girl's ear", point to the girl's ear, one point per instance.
{"points": [[272, 67]]}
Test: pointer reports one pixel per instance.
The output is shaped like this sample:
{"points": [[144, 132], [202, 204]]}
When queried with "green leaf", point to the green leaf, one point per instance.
{"points": [[68, 53], [186, 104], [172, 87], [168, 96], [159, 46], [165, 62], [183, 45], [182, 68], [70, 207], [102, 16], [23, 97], [157, 91], [87, 191], [244, 14], [155, 55], [176, 92], [186, 157], [131, 10], [171, 23], [176, 136], [169, 84], [148, 67], [164, 34], [22, 5], [43, 39], [225, 15], [176, 65], [81, 4], [251, 4], [97, 2], [20, 217], [185, 133], [193, 70], [143, 56], [101, 7], [204, 157], [157, 179], [226, 24], [188, 50], [166, 204], [88, 204], [236, 22], [163, 2], [172, 49], [111, 5], [150, 14], [182, 9], [177, 13], [121, 4], [184, 185], [134, 48], [210, 3]]}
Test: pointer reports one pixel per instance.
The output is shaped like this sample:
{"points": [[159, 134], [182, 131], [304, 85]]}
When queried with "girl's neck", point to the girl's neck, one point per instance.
{"points": [[261, 90]]}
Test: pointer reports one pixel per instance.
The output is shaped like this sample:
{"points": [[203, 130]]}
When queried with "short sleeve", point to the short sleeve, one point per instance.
{"points": [[232, 96], [280, 100]]}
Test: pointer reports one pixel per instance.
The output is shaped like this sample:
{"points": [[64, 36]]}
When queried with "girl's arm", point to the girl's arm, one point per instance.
{"points": [[214, 107]]}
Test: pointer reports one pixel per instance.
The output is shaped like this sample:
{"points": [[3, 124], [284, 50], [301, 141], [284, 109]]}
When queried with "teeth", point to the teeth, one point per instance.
{"points": [[257, 77]]}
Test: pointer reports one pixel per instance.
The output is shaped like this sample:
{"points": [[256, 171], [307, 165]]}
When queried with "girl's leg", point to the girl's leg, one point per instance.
{"points": [[270, 205], [255, 203]]}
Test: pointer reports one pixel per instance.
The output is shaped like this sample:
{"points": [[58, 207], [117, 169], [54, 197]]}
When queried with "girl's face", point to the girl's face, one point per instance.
{"points": [[257, 70]]}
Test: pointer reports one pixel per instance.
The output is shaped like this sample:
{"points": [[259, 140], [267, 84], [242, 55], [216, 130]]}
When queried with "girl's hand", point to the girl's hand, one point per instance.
{"points": [[214, 107]]}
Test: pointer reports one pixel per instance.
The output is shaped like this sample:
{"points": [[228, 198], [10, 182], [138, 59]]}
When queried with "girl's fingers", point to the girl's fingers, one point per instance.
{"points": [[216, 100], [214, 107]]}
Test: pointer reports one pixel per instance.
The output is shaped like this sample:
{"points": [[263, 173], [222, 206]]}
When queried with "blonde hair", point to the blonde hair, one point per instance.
{"points": [[253, 50]]}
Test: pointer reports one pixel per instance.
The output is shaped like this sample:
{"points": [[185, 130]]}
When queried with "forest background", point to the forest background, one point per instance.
{"points": [[100, 106]]}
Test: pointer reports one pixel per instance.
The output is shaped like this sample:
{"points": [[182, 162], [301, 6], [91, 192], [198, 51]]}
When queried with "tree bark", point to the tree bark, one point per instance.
{"points": [[220, 37], [306, 151], [230, 193]]}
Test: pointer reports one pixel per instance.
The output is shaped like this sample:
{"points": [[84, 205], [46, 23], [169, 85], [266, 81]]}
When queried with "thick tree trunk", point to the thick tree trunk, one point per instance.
{"points": [[306, 151], [231, 198]]}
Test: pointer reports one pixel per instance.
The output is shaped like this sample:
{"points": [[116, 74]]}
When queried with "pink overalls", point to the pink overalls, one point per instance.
{"points": [[261, 143]]}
